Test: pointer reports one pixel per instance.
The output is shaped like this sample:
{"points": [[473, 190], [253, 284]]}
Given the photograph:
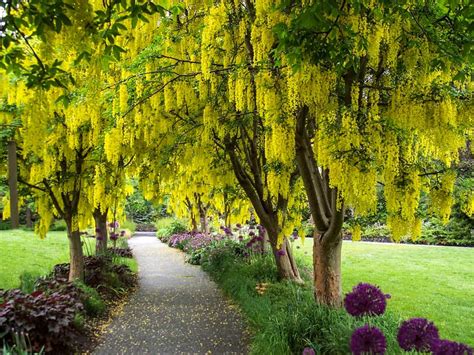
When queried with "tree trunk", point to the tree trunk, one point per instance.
{"points": [[29, 218], [327, 271], [101, 232], [76, 257], [284, 259], [203, 220], [193, 222], [13, 185]]}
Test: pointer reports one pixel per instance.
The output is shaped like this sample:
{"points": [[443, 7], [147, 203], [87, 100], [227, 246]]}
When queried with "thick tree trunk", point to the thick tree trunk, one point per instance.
{"points": [[284, 259], [101, 232], [76, 257], [29, 218], [203, 220], [327, 271], [13, 185], [194, 223]]}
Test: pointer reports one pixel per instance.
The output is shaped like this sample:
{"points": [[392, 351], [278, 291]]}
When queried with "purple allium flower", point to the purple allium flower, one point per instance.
{"points": [[365, 299], [368, 340], [122, 233], [238, 225], [227, 231], [308, 351], [281, 252], [222, 227], [447, 347], [113, 236], [251, 234], [258, 239], [417, 334]]}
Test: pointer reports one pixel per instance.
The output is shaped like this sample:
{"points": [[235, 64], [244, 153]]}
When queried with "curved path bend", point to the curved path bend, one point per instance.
{"points": [[177, 309]]}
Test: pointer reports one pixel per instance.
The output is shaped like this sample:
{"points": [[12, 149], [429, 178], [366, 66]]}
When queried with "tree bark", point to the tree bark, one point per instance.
{"points": [[284, 258], [76, 256], [203, 219], [13, 185], [327, 216], [101, 231], [29, 218], [286, 264], [327, 271]]}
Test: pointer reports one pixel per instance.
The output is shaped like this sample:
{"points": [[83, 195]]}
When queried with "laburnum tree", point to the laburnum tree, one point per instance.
{"points": [[378, 93], [63, 132], [176, 81]]}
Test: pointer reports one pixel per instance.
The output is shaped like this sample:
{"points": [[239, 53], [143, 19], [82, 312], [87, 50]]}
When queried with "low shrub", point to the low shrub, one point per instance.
{"points": [[94, 305], [58, 226], [5, 225], [145, 227], [166, 227], [129, 225], [47, 318]]}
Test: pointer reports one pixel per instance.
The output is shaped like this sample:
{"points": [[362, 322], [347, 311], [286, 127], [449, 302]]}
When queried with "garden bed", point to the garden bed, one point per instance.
{"points": [[58, 316]]}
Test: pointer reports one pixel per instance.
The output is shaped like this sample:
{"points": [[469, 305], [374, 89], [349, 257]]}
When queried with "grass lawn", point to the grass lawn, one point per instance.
{"points": [[24, 252], [431, 282]]}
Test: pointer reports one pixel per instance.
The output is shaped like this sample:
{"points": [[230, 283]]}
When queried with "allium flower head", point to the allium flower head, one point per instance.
{"points": [[122, 233], [251, 234], [227, 231], [368, 340], [447, 347], [365, 299], [308, 351], [417, 334], [113, 236], [238, 225]]}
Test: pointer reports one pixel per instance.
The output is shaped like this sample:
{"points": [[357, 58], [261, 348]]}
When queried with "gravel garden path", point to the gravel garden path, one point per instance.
{"points": [[176, 309]]}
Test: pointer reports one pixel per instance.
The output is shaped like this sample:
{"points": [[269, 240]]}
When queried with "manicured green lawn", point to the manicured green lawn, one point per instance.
{"points": [[431, 282], [24, 252]]}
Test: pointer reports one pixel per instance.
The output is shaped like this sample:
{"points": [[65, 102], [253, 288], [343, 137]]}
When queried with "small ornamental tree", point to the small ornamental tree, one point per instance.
{"points": [[379, 93]]}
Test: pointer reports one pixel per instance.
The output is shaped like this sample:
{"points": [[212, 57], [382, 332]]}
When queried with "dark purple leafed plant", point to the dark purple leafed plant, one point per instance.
{"points": [[365, 299], [447, 347], [368, 340], [417, 334]]}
